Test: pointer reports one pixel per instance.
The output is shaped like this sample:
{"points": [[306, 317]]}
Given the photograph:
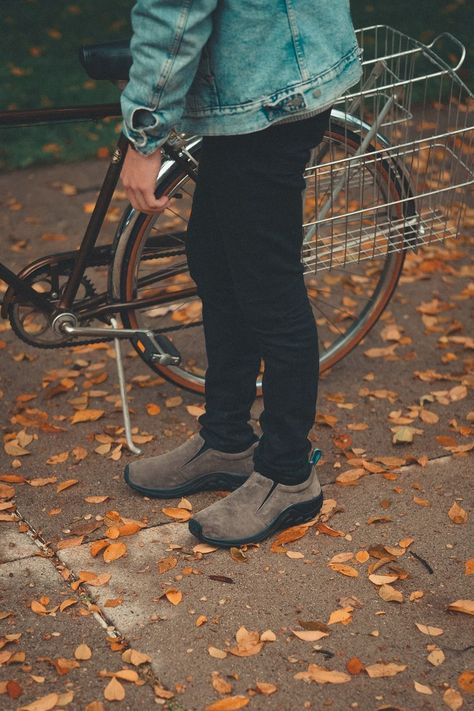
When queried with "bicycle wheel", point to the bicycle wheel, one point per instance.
{"points": [[150, 264]]}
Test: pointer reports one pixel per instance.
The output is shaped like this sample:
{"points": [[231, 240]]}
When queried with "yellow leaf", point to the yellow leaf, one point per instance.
{"points": [[114, 551], [38, 608], [58, 458], [45, 703], [293, 555], [453, 699], [342, 615], [421, 688], [457, 514], [127, 675], [268, 636], [177, 514], [185, 504], [390, 594], [174, 401], [310, 635], [174, 596], [382, 579], [114, 691], [86, 416], [323, 676], [351, 476], [204, 548], [132, 656], [195, 410], [265, 688], [429, 630], [436, 657], [217, 653], [231, 703], [464, 606], [95, 499], [382, 670], [66, 484], [83, 652], [220, 684], [201, 620]]}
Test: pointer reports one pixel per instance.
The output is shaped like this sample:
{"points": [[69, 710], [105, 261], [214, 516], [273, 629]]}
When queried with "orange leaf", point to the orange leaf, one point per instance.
{"points": [[114, 551], [355, 666], [86, 416], [96, 546], [344, 569], [95, 499], [153, 409], [466, 681], [457, 514], [166, 564], [231, 703], [174, 596], [177, 514], [66, 484], [69, 542]]}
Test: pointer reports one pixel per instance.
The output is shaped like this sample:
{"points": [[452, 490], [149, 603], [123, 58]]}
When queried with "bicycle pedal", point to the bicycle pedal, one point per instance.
{"points": [[158, 348]]}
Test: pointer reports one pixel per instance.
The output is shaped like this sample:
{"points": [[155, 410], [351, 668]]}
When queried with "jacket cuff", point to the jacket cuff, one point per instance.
{"points": [[142, 128]]}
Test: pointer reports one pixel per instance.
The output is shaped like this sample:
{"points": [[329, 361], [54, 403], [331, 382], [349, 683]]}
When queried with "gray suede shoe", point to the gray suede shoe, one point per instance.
{"points": [[259, 508], [189, 469]]}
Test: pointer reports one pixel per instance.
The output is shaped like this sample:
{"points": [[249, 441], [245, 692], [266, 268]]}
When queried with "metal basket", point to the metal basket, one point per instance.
{"points": [[397, 169]]}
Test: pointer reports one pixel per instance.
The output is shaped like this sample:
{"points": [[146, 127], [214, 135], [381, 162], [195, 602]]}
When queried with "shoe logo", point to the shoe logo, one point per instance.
{"points": [[273, 487]]}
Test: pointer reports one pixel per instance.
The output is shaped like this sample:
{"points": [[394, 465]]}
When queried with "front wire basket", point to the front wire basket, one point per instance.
{"points": [[396, 169]]}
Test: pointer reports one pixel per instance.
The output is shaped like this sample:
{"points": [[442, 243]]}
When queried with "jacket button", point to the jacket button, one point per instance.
{"points": [[317, 93]]}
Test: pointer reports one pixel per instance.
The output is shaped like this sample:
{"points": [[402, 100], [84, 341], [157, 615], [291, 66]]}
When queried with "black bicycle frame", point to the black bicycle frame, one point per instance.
{"points": [[82, 256]]}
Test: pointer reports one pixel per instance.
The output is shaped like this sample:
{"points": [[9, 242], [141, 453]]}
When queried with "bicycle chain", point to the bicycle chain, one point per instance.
{"points": [[68, 344]]}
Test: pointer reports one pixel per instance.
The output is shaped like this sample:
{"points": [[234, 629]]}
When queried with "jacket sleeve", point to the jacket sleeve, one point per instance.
{"points": [[168, 36]]}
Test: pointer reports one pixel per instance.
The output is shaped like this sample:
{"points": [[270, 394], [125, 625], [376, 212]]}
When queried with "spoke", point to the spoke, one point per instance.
{"points": [[342, 333], [336, 308]]}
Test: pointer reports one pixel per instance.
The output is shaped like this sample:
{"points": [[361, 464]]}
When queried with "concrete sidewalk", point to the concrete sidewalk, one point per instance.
{"points": [[310, 622]]}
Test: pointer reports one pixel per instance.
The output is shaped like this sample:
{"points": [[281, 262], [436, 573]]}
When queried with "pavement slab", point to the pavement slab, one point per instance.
{"points": [[272, 591], [15, 545], [46, 638]]}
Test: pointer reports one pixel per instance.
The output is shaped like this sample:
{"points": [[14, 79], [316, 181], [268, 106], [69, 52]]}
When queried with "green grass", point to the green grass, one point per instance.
{"points": [[39, 65]]}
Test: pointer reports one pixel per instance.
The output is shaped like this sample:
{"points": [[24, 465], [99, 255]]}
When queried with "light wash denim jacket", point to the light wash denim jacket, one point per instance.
{"points": [[221, 67]]}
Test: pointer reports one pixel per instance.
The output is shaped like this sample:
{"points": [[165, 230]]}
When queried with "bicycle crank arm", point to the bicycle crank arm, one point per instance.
{"points": [[154, 346]]}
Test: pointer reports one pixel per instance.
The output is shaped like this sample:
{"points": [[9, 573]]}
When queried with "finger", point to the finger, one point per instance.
{"points": [[135, 199], [152, 203]]}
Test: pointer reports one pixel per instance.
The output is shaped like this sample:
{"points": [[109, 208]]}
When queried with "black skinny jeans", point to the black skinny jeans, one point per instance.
{"points": [[244, 253]]}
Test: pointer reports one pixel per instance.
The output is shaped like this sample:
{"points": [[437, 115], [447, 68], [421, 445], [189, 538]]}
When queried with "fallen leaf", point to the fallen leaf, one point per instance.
{"points": [[382, 670], [342, 615], [45, 703], [464, 606], [220, 684], [86, 416], [95, 499], [217, 653], [390, 594], [132, 656], [429, 629], [166, 564], [66, 484], [466, 682], [355, 666], [174, 596], [204, 548], [195, 410], [67, 603], [421, 688], [453, 699], [288, 536], [382, 579], [323, 676], [268, 636], [469, 567], [201, 620], [83, 652], [265, 688], [177, 514], [457, 514], [153, 409], [436, 657], [230, 703], [114, 691], [310, 635], [344, 569], [114, 551], [58, 458]]}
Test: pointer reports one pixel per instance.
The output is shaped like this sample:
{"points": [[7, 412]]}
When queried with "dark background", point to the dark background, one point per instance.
{"points": [[39, 65]]}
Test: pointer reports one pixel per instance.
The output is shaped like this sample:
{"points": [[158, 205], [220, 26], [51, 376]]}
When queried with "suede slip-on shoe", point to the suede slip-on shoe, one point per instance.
{"points": [[256, 510], [189, 468]]}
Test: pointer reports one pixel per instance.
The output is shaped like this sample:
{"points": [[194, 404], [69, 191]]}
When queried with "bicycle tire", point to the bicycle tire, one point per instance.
{"points": [[131, 252]]}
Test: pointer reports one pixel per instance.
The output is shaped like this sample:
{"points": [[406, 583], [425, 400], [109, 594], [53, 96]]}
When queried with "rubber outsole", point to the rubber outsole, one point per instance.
{"points": [[291, 516], [209, 482]]}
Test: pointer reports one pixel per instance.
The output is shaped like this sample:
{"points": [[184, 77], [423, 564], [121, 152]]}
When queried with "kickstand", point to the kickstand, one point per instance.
{"points": [[123, 393]]}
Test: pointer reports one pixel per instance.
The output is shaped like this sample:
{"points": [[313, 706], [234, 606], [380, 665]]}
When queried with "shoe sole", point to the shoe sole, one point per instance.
{"points": [[292, 516], [208, 482]]}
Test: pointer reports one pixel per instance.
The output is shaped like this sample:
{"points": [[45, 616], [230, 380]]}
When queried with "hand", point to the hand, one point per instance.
{"points": [[139, 177]]}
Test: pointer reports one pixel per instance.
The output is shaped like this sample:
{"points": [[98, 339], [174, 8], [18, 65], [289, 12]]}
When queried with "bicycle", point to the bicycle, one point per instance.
{"points": [[391, 174]]}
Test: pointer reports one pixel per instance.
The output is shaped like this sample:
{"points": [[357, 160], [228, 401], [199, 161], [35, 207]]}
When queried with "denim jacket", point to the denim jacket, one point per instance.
{"points": [[220, 67]]}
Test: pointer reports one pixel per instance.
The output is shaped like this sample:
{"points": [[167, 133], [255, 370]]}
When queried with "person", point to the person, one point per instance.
{"points": [[257, 80]]}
